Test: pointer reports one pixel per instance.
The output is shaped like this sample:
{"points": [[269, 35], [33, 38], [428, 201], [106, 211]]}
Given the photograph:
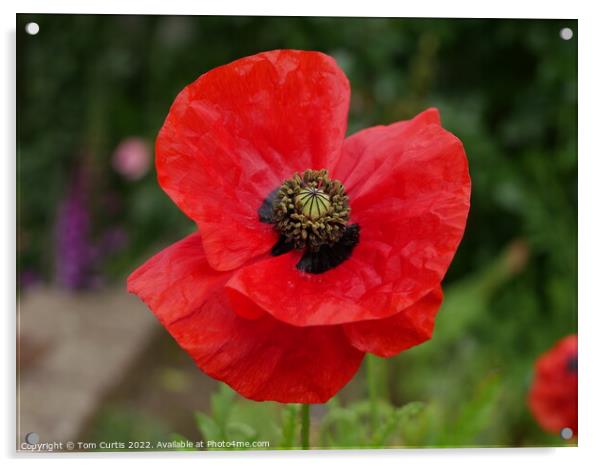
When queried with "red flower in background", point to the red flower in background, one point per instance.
{"points": [[553, 395], [312, 248]]}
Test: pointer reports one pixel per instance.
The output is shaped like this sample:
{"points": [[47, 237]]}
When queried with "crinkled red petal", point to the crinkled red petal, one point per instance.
{"points": [[409, 191], [407, 328], [238, 132], [553, 395], [359, 159], [262, 358]]}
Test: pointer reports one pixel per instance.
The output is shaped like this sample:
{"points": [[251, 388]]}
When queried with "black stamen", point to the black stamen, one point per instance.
{"points": [[328, 257], [282, 246], [265, 211]]}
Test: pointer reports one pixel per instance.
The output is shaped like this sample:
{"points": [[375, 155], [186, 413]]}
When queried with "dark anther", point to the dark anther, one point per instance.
{"points": [[282, 246], [328, 257], [265, 211]]}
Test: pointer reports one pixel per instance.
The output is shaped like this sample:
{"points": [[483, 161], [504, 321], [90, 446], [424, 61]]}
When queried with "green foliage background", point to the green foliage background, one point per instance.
{"points": [[506, 88]]}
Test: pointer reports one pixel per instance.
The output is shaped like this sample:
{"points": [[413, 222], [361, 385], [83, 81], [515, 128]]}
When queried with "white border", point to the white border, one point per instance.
{"points": [[590, 258], [424, 8]]}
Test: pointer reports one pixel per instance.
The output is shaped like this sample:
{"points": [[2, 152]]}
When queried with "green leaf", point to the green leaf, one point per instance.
{"points": [[238, 431], [393, 421], [208, 428], [222, 403], [289, 424], [477, 415]]}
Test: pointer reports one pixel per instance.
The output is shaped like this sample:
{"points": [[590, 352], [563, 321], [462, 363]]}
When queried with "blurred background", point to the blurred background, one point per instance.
{"points": [[92, 92]]}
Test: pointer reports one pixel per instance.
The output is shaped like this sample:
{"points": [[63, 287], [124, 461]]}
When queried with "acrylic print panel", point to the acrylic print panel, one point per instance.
{"points": [[295, 233]]}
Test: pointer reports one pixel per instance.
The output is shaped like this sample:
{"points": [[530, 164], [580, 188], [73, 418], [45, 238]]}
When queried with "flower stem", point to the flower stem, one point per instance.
{"points": [[373, 393], [305, 426]]}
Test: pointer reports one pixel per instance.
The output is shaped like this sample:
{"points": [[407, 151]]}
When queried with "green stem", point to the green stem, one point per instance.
{"points": [[373, 393], [305, 426]]}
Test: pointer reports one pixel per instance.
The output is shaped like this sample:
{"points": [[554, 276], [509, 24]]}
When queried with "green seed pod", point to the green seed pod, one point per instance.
{"points": [[313, 203]]}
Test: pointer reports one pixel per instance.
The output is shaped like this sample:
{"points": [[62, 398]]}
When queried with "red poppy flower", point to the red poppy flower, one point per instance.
{"points": [[311, 249], [553, 395]]}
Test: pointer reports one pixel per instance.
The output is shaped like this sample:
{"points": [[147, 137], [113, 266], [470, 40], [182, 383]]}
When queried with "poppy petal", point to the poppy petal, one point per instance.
{"points": [[265, 359], [176, 280], [303, 299], [262, 359], [414, 198], [407, 328], [553, 398], [355, 165], [240, 130], [410, 194]]}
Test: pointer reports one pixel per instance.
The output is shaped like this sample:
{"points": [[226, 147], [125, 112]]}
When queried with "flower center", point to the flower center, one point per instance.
{"points": [[311, 210], [314, 203]]}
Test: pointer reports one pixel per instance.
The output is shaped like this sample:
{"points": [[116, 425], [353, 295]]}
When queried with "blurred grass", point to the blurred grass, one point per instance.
{"points": [[506, 88]]}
